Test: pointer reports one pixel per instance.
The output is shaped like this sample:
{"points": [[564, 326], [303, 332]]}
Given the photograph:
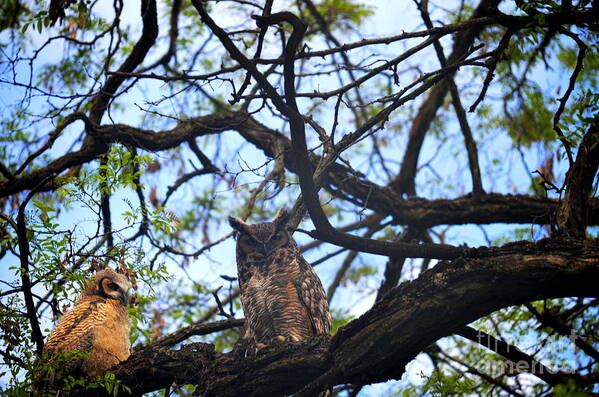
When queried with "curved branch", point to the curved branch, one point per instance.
{"points": [[339, 180], [377, 346], [573, 212], [136, 57], [404, 181], [582, 48]]}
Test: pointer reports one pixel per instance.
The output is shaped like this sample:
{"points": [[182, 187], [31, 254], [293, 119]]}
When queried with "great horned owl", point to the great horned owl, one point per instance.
{"points": [[282, 296], [98, 325]]}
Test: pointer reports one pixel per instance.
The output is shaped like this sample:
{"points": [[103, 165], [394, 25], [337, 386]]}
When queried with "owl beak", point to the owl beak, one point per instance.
{"points": [[124, 298]]}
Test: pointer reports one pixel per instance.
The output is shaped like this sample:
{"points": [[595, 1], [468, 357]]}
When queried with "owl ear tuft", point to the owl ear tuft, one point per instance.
{"points": [[237, 224], [282, 217]]}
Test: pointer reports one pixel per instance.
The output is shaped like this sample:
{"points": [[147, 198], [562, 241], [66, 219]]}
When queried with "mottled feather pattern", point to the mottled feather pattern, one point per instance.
{"points": [[75, 324], [313, 297], [98, 324], [282, 296]]}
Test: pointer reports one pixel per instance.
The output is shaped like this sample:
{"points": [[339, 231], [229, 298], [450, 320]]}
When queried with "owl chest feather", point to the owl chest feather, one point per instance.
{"points": [[282, 296], [271, 301], [97, 325], [111, 341]]}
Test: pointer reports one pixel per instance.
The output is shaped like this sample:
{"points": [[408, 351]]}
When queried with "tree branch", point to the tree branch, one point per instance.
{"points": [[518, 357], [561, 327], [136, 57], [36, 332], [377, 346], [196, 329], [339, 180], [477, 186], [573, 212], [404, 181], [582, 47]]}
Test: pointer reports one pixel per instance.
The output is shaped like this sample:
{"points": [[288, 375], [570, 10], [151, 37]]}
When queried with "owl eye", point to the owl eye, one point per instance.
{"points": [[277, 237], [113, 286]]}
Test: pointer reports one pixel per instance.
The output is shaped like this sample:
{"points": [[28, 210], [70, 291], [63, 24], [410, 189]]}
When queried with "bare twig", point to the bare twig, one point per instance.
{"points": [[491, 65], [221, 309], [582, 47], [477, 186], [198, 328]]}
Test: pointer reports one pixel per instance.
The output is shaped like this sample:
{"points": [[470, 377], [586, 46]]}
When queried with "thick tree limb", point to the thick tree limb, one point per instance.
{"points": [[339, 180], [573, 213], [377, 346], [158, 367]]}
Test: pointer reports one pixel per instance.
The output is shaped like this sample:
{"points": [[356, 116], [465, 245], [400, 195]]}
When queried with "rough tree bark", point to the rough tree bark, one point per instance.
{"points": [[377, 346], [573, 212]]}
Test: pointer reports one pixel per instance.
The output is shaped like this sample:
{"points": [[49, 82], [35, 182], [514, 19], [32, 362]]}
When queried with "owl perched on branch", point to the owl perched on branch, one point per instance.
{"points": [[282, 296], [97, 326]]}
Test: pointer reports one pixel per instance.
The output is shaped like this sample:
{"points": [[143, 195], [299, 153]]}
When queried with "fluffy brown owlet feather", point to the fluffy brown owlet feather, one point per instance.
{"points": [[98, 325], [282, 296]]}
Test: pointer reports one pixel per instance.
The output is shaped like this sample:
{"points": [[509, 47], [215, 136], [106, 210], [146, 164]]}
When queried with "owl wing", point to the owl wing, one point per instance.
{"points": [[75, 329], [248, 299], [312, 296]]}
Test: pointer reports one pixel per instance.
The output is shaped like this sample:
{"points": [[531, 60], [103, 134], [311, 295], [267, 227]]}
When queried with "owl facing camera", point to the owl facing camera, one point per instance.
{"points": [[281, 295]]}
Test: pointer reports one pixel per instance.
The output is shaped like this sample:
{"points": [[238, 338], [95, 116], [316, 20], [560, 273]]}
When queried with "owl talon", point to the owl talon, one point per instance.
{"points": [[247, 348], [260, 346]]}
